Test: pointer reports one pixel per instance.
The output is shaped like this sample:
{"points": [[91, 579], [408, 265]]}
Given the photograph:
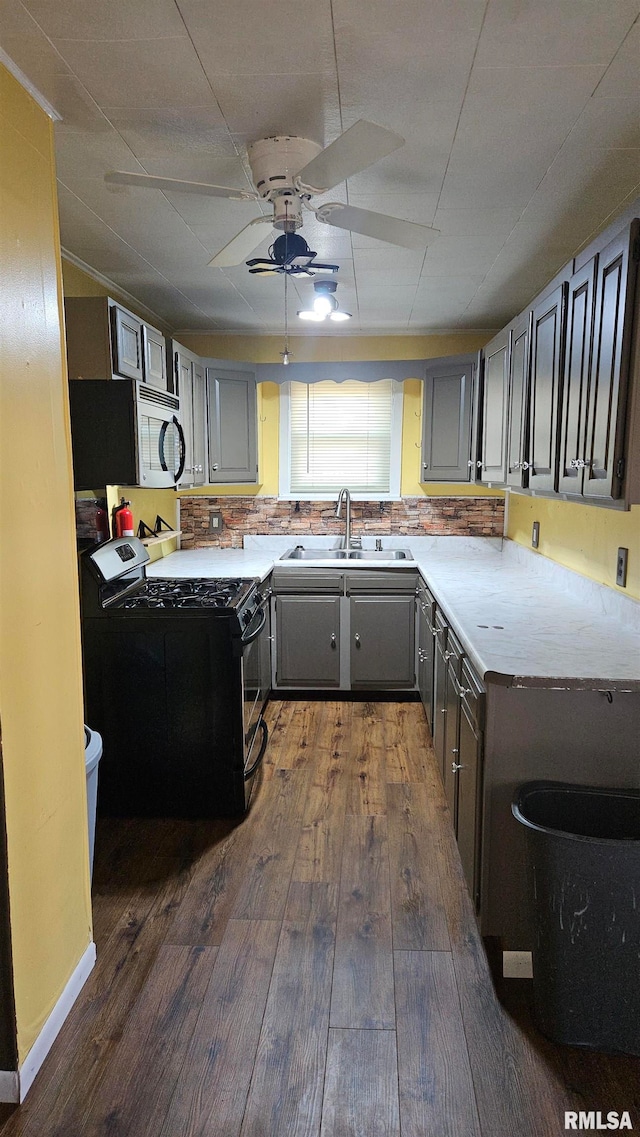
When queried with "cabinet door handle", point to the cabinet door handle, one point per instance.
{"points": [[455, 766], [466, 691], [449, 655], [357, 639], [215, 466], [333, 641], [526, 465]]}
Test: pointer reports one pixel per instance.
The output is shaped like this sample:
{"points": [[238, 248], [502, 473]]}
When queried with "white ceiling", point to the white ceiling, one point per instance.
{"points": [[521, 120]]}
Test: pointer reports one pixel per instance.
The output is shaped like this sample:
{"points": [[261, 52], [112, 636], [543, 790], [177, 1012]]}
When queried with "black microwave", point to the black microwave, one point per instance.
{"points": [[125, 433]]}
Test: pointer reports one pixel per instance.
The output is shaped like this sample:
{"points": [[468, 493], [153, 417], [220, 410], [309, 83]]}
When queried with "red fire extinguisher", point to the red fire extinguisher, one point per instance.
{"points": [[124, 519]]}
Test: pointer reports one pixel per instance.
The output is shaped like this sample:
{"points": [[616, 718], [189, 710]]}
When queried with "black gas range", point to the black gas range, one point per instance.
{"points": [[177, 673]]}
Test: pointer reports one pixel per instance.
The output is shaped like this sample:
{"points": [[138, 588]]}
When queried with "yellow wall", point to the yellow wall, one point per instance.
{"points": [[584, 538], [41, 707]]}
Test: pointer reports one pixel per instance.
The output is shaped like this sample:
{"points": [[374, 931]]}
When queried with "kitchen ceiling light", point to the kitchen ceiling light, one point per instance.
{"points": [[325, 304]]}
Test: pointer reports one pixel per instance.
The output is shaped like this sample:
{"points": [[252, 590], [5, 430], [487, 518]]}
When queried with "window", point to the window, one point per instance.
{"points": [[340, 434]]}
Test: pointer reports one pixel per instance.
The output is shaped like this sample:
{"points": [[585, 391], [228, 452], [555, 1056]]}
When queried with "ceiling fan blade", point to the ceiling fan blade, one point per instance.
{"points": [[406, 233], [244, 242], [120, 177], [360, 146]]}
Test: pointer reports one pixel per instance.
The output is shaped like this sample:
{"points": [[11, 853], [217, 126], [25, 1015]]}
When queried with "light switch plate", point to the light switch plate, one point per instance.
{"points": [[535, 534], [621, 568]]}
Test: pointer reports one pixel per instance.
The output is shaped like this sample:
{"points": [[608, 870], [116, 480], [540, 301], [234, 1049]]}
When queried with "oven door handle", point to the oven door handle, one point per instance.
{"points": [[248, 639], [263, 746]]}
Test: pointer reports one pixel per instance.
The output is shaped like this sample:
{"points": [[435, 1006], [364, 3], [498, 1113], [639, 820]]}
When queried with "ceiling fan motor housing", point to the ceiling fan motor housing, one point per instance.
{"points": [[274, 164]]}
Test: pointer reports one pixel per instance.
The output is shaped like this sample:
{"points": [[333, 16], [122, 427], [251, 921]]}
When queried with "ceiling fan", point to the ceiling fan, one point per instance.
{"points": [[287, 172]]}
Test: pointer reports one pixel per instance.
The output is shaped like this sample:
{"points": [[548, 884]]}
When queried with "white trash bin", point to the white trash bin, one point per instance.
{"points": [[92, 755]]}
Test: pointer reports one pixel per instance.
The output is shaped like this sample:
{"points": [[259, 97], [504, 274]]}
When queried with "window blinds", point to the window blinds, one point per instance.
{"points": [[340, 435]]}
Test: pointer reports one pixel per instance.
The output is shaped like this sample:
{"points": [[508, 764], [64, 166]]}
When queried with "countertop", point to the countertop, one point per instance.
{"points": [[523, 620]]}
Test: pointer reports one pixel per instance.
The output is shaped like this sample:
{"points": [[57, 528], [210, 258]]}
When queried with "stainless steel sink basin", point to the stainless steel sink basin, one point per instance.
{"points": [[302, 554]]}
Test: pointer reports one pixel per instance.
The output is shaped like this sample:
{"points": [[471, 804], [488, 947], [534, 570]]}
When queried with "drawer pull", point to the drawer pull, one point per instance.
{"points": [[333, 641]]}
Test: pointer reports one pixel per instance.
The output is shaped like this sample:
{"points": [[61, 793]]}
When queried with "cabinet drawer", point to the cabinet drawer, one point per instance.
{"points": [[392, 581], [472, 693], [313, 580]]}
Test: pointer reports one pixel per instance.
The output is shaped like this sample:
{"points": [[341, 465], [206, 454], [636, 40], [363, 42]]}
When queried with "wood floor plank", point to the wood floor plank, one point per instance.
{"points": [[361, 1085], [286, 1088], [87, 1041], [296, 746], [368, 781], [211, 1091], [407, 741], [267, 871], [363, 995], [203, 915], [133, 1097], [319, 852], [419, 917], [434, 1075]]}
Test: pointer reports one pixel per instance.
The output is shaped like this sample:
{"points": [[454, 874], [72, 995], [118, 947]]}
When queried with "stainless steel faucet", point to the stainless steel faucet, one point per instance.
{"points": [[346, 496]]}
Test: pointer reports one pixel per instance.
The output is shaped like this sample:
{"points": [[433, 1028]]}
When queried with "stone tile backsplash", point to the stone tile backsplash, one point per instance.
{"points": [[448, 516]]}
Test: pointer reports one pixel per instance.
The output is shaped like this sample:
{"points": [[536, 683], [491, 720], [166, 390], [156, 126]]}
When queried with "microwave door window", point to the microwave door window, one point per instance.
{"points": [[172, 448], [161, 450]]}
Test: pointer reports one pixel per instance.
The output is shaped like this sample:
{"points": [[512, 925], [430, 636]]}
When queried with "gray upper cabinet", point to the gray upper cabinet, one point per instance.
{"points": [[233, 449], [518, 407], [604, 452], [493, 411], [105, 341], [446, 419], [547, 341], [190, 388], [575, 391], [128, 348], [154, 351]]}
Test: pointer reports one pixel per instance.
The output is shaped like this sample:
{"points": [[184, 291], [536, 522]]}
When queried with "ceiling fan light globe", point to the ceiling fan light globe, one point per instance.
{"points": [[309, 314], [339, 315], [322, 305]]}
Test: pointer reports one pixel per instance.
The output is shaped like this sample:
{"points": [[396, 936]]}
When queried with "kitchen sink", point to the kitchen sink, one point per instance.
{"points": [[302, 554]]}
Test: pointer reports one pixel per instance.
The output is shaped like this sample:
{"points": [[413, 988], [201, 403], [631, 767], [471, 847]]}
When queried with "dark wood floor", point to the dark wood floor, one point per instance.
{"points": [[315, 971]]}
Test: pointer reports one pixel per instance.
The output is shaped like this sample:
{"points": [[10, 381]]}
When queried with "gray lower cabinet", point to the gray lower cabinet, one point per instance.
{"points": [[344, 630], [425, 635], [307, 641], [438, 725], [464, 769], [382, 641]]}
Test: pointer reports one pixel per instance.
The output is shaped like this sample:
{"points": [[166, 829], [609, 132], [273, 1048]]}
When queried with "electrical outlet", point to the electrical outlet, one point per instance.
{"points": [[535, 534], [621, 568], [215, 521]]}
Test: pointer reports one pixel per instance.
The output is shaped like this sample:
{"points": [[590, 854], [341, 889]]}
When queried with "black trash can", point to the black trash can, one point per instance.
{"points": [[584, 888]]}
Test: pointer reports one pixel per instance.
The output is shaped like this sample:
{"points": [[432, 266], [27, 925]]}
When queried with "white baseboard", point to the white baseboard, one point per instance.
{"points": [[15, 1084]]}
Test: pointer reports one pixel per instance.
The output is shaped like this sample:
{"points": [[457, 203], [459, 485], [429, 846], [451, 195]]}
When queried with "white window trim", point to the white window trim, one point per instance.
{"points": [[395, 455]]}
